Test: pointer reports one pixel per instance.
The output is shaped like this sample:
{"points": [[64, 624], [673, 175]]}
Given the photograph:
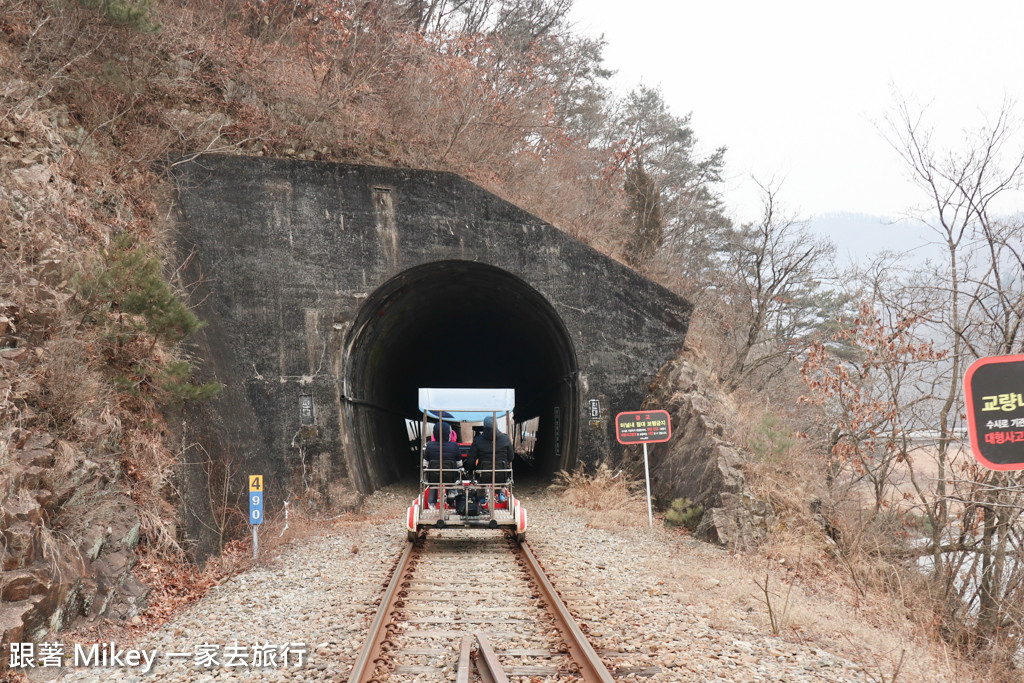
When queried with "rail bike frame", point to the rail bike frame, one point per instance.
{"points": [[510, 514]]}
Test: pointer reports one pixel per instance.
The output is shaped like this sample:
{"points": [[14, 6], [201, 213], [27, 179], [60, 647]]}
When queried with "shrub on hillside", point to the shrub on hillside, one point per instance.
{"points": [[684, 513], [135, 14], [127, 293], [610, 498]]}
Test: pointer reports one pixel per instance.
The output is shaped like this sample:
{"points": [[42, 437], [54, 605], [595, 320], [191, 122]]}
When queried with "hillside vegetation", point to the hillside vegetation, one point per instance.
{"points": [[99, 98]]}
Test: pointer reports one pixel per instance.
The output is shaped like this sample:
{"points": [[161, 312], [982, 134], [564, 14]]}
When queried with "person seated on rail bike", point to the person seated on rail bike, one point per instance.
{"points": [[441, 450], [486, 444], [453, 435]]}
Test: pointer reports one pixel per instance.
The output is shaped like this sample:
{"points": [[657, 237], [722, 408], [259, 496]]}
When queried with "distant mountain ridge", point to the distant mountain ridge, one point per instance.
{"points": [[859, 237]]}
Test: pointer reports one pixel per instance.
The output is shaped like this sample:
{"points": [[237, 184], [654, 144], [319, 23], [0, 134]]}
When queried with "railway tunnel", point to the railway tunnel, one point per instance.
{"points": [[331, 292], [458, 324]]}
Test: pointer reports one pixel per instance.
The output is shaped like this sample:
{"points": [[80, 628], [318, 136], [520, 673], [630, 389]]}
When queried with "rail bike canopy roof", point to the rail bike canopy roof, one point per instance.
{"points": [[468, 400]]}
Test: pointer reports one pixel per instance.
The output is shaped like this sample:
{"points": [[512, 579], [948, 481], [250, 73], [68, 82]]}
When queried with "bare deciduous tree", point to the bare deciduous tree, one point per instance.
{"points": [[967, 302], [974, 300], [774, 267]]}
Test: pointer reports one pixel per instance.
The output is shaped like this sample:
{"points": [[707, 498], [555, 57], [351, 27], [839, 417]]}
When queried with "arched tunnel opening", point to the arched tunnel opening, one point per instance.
{"points": [[456, 324]]}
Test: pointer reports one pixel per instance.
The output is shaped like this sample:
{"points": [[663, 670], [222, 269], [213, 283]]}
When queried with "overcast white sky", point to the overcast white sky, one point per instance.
{"points": [[798, 90]]}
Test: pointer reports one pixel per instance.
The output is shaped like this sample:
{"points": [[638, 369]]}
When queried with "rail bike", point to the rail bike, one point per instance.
{"points": [[452, 494]]}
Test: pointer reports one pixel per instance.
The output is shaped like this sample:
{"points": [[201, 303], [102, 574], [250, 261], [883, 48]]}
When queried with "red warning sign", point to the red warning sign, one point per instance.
{"points": [[647, 426], [994, 393]]}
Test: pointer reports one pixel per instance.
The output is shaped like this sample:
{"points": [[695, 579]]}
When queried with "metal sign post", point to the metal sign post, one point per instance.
{"points": [[647, 480], [255, 510], [649, 426]]}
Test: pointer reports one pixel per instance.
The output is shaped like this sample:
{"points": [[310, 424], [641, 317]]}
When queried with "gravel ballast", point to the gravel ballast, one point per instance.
{"points": [[320, 594]]}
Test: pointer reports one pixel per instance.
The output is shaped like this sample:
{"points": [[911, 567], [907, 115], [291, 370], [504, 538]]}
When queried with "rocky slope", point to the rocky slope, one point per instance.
{"points": [[69, 523]]}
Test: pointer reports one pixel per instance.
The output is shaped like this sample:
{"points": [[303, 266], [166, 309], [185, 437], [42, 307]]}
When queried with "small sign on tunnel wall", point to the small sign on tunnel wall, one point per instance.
{"points": [[306, 409], [994, 394]]}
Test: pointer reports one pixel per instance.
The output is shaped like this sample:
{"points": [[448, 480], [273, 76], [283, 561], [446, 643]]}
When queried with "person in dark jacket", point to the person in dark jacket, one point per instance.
{"points": [[480, 452], [441, 449]]}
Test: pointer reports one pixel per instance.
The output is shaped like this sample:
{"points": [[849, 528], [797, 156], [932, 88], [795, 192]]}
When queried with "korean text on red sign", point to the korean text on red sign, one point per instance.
{"points": [[647, 426], [994, 393]]}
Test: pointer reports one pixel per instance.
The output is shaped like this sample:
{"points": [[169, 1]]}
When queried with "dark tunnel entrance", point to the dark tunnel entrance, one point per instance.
{"points": [[455, 324]]}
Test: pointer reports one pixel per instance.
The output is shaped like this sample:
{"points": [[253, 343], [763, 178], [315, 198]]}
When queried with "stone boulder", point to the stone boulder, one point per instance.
{"points": [[698, 464], [48, 580]]}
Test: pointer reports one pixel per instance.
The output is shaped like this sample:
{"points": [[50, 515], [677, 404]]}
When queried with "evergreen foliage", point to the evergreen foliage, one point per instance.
{"points": [[684, 513], [173, 382], [643, 212], [131, 283], [134, 14], [661, 160], [772, 440], [128, 289]]}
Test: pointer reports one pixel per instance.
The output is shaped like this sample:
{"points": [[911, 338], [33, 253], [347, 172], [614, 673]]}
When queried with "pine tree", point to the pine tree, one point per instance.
{"points": [[131, 282], [643, 212], [129, 290]]}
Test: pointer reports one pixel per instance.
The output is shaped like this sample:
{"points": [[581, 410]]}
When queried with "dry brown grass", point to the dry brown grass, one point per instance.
{"points": [[783, 468], [8, 676], [837, 556], [608, 499], [72, 391]]}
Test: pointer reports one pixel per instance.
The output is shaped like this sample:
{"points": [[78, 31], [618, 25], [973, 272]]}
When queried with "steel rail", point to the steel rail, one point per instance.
{"points": [[487, 662], [362, 672], [463, 672], [591, 668]]}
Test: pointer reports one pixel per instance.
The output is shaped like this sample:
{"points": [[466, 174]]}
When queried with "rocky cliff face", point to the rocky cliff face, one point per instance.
{"points": [[63, 556], [698, 464], [68, 525]]}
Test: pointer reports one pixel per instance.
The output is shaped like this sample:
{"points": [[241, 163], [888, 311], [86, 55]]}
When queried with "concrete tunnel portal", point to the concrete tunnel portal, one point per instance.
{"points": [[457, 324], [332, 292]]}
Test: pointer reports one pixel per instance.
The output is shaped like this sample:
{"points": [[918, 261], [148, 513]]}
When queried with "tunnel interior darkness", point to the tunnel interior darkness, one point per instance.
{"points": [[457, 324]]}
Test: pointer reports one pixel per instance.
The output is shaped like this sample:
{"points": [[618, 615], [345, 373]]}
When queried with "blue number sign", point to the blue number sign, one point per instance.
{"points": [[255, 499], [255, 507]]}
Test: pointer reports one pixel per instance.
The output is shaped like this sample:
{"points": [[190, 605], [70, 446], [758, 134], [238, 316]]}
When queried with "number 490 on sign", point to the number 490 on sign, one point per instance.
{"points": [[256, 508]]}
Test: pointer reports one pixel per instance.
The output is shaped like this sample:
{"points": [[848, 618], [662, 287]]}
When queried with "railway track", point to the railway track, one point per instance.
{"points": [[466, 598]]}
